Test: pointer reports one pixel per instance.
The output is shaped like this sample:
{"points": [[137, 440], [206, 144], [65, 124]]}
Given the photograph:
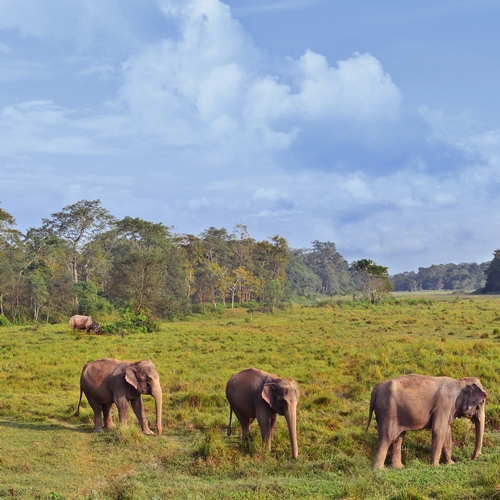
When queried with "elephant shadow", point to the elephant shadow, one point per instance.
{"points": [[39, 427]]}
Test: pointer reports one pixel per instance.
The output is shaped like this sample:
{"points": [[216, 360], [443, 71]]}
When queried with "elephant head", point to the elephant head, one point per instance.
{"points": [[282, 395], [143, 376], [470, 404]]}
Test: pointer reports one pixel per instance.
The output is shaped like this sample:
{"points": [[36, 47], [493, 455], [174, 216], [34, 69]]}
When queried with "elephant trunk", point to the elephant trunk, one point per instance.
{"points": [[479, 419], [291, 419], [157, 394]]}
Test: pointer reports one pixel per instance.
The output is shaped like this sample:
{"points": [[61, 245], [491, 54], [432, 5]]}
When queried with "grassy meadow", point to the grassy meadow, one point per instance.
{"points": [[336, 351]]}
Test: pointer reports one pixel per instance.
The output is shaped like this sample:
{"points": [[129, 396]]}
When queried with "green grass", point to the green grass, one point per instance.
{"points": [[336, 353]]}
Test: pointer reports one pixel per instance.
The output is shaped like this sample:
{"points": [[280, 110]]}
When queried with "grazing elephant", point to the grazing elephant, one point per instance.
{"points": [[84, 323], [253, 393], [108, 381], [415, 402]]}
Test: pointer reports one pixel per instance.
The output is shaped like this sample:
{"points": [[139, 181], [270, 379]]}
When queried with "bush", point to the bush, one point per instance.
{"points": [[131, 323], [4, 321]]}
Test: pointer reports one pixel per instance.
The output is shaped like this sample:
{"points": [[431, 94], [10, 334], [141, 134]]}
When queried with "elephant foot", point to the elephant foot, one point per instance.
{"points": [[149, 432], [449, 462], [398, 466], [97, 430]]}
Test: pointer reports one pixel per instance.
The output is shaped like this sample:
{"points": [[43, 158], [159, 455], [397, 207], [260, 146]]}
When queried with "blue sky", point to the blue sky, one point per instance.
{"points": [[375, 125]]}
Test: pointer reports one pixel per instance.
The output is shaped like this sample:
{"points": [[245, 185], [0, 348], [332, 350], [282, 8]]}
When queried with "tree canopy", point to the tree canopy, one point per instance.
{"points": [[84, 260]]}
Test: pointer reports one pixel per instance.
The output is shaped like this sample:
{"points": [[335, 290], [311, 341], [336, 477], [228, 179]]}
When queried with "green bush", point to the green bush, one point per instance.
{"points": [[4, 321]]}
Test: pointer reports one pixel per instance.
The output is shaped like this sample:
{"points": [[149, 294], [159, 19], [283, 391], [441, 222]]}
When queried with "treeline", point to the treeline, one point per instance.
{"points": [[458, 277], [83, 260]]}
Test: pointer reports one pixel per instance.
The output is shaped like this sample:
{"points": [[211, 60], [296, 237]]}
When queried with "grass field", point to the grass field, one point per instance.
{"points": [[336, 351]]}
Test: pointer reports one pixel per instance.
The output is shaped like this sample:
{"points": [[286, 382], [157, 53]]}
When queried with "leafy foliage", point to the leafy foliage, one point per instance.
{"points": [[492, 273], [375, 283], [457, 277], [83, 260]]}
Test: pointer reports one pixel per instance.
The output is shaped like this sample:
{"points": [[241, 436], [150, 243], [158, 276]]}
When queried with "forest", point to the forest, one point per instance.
{"points": [[84, 260]]}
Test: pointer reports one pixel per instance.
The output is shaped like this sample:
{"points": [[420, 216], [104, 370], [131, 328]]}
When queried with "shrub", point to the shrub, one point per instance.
{"points": [[4, 321]]}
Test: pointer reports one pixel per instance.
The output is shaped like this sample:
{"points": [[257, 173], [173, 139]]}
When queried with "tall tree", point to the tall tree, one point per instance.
{"points": [[375, 283], [78, 224], [492, 273], [330, 266], [148, 272]]}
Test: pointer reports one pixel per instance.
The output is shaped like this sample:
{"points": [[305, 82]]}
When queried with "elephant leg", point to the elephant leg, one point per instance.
{"points": [[274, 419], [140, 413], [108, 420], [244, 422], [447, 448], [381, 453], [122, 406], [396, 447], [97, 408], [439, 436], [267, 423]]}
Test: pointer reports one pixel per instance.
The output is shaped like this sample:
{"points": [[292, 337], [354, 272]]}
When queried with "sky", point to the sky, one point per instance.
{"points": [[373, 125]]}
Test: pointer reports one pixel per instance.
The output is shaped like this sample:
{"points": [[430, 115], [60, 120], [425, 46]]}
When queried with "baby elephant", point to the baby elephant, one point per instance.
{"points": [[108, 381], [415, 402], [253, 393], [84, 323]]}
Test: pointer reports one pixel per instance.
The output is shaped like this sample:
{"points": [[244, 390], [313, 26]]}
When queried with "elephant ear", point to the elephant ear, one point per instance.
{"points": [[476, 396], [131, 378], [268, 393]]}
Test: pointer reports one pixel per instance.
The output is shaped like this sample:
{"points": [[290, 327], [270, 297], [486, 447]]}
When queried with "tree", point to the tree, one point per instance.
{"points": [[9, 252], [7, 233], [148, 273], [274, 293], [375, 283], [492, 273], [78, 224]]}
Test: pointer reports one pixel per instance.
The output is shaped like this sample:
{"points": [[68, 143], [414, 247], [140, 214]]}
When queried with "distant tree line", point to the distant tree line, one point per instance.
{"points": [[457, 277], [84, 260]]}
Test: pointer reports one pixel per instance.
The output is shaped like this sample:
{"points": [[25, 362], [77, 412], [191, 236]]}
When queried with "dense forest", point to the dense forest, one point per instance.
{"points": [[457, 277], [84, 260]]}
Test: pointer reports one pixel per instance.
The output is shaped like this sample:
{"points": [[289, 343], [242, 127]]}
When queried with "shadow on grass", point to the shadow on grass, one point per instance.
{"points": [[34, 426]]}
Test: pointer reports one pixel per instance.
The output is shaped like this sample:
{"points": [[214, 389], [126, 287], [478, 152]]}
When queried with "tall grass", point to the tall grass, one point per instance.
{"points": [[336, 352]]}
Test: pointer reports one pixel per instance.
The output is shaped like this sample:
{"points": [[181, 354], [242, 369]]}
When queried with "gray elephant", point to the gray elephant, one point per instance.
{"points": [[108, 381], [253, 393], [414, 402], [84, 323]]}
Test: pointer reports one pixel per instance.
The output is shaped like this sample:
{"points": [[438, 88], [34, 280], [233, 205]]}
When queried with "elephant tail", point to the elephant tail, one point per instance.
{"points": [[78, 408], [229, 429]]}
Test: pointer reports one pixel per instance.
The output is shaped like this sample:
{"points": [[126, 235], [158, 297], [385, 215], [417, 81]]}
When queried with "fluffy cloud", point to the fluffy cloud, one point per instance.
{"points": [[204, 129], [211, 87]]}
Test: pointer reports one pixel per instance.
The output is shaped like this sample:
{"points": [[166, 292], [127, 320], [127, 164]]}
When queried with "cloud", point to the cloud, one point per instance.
{"points": [[200, 127], [210, 86]]}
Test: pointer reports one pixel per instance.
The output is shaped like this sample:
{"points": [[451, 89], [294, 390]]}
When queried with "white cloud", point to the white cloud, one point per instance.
{"points": [[357, 91], [210, 86], [203, 126]]}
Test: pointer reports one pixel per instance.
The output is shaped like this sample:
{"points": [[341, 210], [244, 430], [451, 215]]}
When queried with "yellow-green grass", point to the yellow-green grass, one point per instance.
{"points": [[336, 352]]}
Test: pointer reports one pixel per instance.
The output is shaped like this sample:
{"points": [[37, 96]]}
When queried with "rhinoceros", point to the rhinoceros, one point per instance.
{"points": [[84, 323]]}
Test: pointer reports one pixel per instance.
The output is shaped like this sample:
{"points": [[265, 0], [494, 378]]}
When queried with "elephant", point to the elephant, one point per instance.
{"points": [[414, 402], [253, 393], [107, 381], [84, 323]]}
